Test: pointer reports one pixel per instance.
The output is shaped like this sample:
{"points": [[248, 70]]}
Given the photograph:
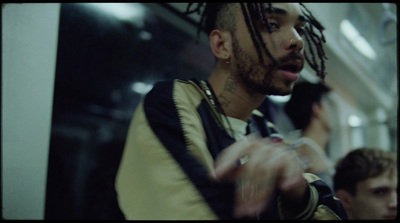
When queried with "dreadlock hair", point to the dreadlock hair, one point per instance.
{"points": [[219, 16]]}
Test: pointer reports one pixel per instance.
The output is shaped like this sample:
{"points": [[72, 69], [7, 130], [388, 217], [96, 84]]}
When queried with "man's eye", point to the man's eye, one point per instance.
{"points": [[273, 26], [380, 192]]}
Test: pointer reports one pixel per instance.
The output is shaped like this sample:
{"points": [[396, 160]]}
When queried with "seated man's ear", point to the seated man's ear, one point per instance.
{"points": [[345, 198], [317, 109]]}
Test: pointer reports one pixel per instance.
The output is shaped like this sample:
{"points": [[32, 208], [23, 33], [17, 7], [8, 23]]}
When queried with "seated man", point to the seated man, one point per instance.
{"points": [[309, 114], [366, 184]]}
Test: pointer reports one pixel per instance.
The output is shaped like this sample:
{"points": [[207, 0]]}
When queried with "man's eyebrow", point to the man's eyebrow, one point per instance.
{"points": [[280, 11]]}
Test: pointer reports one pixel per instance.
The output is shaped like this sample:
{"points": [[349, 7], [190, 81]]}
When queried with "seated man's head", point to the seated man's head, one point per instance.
{"points": [[305, 105], [366, 183]]}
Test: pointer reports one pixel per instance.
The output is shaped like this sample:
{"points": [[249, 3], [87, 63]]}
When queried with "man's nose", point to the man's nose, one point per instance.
{"points": [[295, 42]]}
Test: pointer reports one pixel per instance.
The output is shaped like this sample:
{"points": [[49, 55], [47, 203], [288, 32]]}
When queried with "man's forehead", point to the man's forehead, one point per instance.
{"points": [[284, 6], [384, 180], [285, 9]]}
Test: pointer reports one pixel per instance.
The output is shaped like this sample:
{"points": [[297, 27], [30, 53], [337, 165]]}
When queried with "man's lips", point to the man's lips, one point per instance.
{"points": [[288, 75], [290, 70], [293, 65]]}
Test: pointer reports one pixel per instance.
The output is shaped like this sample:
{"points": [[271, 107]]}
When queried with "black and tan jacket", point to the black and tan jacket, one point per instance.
{"points": [[172, 143]]}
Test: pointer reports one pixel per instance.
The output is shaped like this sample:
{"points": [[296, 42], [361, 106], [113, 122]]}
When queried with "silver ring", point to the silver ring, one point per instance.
{"points": [[242, 161]]}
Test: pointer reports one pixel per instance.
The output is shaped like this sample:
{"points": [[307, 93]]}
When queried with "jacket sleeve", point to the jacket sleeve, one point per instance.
{"points": [[329, 206], [323, 205], [164, 171]]}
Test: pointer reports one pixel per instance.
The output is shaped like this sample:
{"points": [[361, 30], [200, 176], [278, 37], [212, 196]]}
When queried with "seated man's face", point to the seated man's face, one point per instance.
{"points": [[376, 198]]}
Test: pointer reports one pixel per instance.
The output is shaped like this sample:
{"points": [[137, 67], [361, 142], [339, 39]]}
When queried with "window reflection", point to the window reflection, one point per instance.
{"points": [[102, 62]]}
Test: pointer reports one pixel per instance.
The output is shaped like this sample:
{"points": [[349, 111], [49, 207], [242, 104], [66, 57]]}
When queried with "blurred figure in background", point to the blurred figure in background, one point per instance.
{"points": [[310, 116], [366, 183]]}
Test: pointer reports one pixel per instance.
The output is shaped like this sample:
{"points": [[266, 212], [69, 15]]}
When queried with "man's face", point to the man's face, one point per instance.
{"points": [[284, 43], [376, 198]]}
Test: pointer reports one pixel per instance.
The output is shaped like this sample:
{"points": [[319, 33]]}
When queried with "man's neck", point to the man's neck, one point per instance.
{"points": [[231, 92], [317, 132]]}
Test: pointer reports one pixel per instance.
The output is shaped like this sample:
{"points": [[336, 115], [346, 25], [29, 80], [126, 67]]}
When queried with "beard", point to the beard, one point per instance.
{"points": [[259, 76]]}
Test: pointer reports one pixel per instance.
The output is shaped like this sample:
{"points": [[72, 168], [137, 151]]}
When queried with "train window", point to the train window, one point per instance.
{"points": [[109, 55], [369, 34]]}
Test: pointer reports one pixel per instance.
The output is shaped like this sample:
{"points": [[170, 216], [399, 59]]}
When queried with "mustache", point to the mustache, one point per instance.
{"points": [[292, 56]]}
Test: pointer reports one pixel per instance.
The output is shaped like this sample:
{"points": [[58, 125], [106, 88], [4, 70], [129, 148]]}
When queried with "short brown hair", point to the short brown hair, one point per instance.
{"points": [[361, 164]]}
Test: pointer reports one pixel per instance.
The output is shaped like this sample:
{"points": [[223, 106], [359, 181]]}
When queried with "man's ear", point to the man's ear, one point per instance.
{"points": [[345, 198], [316, 109], [221, 44]]}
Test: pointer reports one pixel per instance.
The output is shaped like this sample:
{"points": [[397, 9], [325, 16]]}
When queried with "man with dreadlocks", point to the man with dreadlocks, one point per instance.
{"points": [[200, 150]]}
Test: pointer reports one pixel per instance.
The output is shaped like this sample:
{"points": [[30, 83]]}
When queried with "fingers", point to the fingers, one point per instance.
{"points": [[252, 197], [225, 163], [270, 166], [279, 159], [238, 153], [293, 173], [292, 183]]}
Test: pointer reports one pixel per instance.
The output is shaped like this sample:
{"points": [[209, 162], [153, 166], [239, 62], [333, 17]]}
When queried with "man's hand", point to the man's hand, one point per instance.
{"points": [[269, 167]]}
